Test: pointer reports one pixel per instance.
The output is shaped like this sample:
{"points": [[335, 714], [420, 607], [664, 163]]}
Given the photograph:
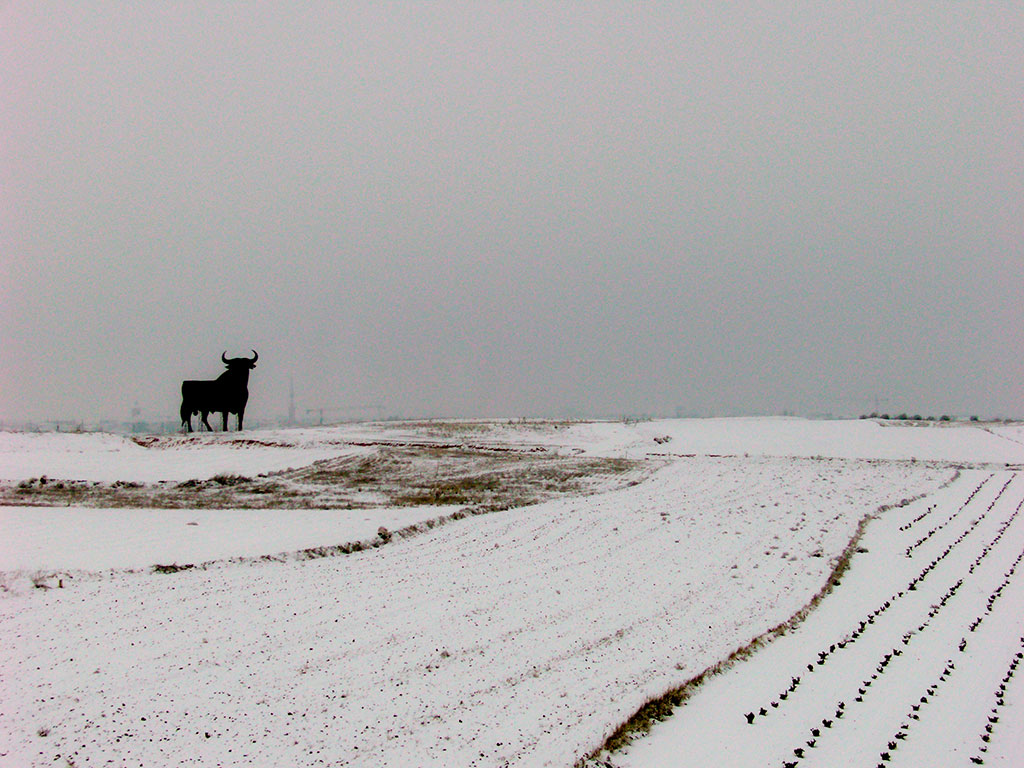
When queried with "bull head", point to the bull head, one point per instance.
{"points": [[250, 361]]}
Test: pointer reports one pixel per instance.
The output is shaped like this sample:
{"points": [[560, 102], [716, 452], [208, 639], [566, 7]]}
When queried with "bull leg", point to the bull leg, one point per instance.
{"points": [[206, 424], [186, 417], [225, 415], [241, 412]]}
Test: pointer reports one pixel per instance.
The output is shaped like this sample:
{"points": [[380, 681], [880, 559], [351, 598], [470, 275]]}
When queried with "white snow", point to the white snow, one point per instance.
{"points": [[862, 438], [521, 637], [105, 457], [109, 458], [82, 538]]}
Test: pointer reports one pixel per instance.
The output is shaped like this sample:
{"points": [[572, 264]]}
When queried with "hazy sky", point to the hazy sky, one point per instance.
{"points": [[505, 209]]}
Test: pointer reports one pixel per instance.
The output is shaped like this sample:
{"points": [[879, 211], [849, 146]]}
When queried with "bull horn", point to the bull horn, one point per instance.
{"points": [[224, 357], [255, 357]]}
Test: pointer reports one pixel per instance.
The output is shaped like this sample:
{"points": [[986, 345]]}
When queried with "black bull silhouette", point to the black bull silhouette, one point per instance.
{"points": [[226, 394]]}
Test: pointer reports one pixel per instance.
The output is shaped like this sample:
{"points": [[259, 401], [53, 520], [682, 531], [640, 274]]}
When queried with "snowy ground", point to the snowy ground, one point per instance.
{"points": [[72, 539], [913, 661], [526, 636]]}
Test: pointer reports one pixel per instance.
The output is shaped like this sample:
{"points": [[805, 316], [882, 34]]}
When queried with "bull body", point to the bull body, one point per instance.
{"points": [[228, 393]]}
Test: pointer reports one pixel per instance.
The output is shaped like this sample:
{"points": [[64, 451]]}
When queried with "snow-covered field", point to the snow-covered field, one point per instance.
{"points": [[912, 661], [529, 634]]}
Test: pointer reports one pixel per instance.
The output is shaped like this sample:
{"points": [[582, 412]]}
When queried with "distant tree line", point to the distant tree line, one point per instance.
{"points": [[918, 417]]}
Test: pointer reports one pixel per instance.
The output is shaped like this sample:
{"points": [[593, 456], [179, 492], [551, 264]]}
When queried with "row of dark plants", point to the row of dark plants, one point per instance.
{"points": [[885, 756], [999, 701], [918, 417], [994, 595], [911, 523], [997, 593], [915, 710], [914, 714], [869, 620], [907, 417], [974, 564], [953, 516]]}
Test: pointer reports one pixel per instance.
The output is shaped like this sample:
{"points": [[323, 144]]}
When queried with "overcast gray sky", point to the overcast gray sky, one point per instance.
{"points": [[505, 209]]}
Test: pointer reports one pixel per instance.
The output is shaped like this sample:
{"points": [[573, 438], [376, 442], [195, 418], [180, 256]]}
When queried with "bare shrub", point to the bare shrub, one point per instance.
{"points": [[172, 568]]}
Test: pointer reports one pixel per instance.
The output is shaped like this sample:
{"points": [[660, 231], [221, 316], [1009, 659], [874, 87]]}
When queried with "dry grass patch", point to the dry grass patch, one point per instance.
{"points": [[483, 479]]}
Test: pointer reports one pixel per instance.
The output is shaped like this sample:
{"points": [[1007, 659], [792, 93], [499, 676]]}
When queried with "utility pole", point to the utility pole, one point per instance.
{"points": [[291, 401]]}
